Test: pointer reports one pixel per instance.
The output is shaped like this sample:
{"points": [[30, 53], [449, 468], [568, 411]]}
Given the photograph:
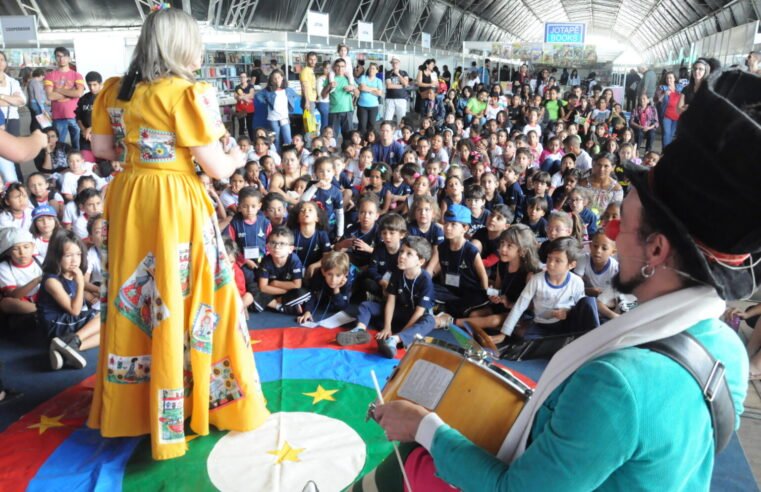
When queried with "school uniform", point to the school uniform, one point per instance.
{"points": [[434, 235], [539, 228], [251, 238], [13, 276], [513, 198], [496, 200], [324, 302], [382, 266], [331, 200], [459, 288], [410, 294], [354, 231], [291, 270], [589, 219], [478, 223], [310, 249], [54, 321], [489, 248]]}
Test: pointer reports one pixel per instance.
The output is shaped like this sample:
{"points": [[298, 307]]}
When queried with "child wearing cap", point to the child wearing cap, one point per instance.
{"points": [[44, 226], [463, 279], [407, 310], [20, 274]]}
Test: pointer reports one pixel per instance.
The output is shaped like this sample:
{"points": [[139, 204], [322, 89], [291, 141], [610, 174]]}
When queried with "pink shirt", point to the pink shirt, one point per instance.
{"points": [[64, 80]]}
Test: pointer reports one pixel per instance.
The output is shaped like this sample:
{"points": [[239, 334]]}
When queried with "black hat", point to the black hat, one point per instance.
{"points": [[706, 186]]}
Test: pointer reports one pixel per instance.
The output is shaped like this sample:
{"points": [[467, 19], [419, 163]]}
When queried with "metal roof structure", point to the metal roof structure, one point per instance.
{"points": [[649, 26]]}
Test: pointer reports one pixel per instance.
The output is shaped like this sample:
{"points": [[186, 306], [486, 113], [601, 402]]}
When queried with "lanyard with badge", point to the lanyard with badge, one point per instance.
{"points": [[453, 279], [249, 252]]}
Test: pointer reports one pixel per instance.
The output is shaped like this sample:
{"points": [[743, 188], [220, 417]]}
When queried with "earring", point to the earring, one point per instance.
{"points": [[647, 271]]}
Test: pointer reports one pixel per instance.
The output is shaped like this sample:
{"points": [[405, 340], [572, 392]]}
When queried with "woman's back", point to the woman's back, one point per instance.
{"points": [[161, 121]]}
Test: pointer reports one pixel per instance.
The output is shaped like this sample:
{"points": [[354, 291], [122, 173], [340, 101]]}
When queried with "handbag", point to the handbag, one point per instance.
{"points": [[310, 124]]}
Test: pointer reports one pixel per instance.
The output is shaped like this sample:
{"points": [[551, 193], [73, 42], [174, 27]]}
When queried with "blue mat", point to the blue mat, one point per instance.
{"points": [[26, 368]]}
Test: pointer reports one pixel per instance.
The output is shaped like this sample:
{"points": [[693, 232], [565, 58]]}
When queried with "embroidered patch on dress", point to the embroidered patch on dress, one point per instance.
{"points": [[223, 387], [116, 115], [139, 300], [171, 416], [215, 254], [157, 146], [210, 106], [203, 328], [129, 370], [183, 251]]}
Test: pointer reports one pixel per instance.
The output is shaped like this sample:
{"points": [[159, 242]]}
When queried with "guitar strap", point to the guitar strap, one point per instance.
{"points": [[708, 372]]}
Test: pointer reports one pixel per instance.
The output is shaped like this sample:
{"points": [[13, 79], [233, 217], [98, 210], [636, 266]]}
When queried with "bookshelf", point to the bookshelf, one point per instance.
{"points": [[223, 67]]}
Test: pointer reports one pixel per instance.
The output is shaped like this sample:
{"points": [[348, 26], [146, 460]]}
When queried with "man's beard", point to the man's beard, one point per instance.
{"points": [[627, 286]]}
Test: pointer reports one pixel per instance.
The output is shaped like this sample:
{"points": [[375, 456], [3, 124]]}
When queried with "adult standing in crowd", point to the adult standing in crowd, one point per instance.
{"points": [[244, 105], [370, 94], [84, 114], [484, 73], [446, 76], [257, 74], [323, 102], [681, 268], [64, 87], [309, 83], [36, 97], [648, 82], [701, 69], [644, 122], [668, 101], [341, 92], [281, 100], [11, 98], [397, 98], [753, 62], [630, 87], [426, 78], [574, 79], [159, 97]]}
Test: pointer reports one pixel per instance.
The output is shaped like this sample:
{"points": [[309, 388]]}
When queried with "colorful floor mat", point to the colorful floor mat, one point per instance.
{"points": [[318, 394]]}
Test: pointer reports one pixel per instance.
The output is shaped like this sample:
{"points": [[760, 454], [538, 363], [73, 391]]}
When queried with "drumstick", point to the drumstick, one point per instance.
{"points": [[396, 448]]}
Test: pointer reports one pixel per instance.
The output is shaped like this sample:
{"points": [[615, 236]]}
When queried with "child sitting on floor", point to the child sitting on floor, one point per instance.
{"points": [[280, 276], [407, 310], [331, 288], [20, 274], [557, 296], [63, 313]]}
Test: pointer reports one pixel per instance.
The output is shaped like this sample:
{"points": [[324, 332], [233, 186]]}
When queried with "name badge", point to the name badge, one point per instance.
{"points": [[452, 280], [251, 253], [386, 277]]}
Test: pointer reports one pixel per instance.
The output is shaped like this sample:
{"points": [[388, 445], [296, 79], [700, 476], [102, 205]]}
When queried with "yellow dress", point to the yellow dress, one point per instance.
{"points": [[174, 342]]}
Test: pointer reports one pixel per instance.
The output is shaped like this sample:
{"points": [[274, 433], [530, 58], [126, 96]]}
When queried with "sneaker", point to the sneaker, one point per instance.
{"points": [[56, 359], [387, 347], [355, 336], [70, 354], [294, 310]]}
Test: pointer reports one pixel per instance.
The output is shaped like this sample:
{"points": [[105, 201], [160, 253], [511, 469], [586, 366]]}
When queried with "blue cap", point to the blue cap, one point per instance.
{"points": [[43, 211], [458, 213]]}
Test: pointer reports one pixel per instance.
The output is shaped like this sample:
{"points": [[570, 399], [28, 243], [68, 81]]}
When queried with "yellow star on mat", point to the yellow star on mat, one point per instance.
{"points": [[191, 437], [321, 394], [254, 342], [47, 422], [286, 453]]}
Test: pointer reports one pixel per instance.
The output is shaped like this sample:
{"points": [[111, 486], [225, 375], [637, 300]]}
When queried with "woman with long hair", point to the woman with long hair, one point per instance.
{"points": [[280, 103], [669, 98], [701, 69], [174, 341]]}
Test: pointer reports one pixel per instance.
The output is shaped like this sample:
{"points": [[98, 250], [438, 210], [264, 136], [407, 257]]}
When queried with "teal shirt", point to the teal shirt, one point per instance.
{"points": [[366, 99], [340, 100], [629, 420]]}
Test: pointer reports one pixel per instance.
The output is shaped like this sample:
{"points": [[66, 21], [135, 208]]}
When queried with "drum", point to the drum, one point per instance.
{"points": [[465, 388]]}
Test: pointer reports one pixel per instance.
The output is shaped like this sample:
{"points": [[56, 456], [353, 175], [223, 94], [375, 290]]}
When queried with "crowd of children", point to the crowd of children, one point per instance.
{"points": [[485, 222]]}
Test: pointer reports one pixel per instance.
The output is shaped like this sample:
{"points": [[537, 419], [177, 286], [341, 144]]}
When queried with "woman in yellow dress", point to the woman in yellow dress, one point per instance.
{"points": [[174, 342]]}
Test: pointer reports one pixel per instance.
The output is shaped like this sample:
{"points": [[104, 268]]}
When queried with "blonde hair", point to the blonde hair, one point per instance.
{"points": [[169, 43], [335, 260]]}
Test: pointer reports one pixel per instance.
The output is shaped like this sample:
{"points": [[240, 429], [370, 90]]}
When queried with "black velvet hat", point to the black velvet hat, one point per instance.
{"points": [[707, 186]]}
